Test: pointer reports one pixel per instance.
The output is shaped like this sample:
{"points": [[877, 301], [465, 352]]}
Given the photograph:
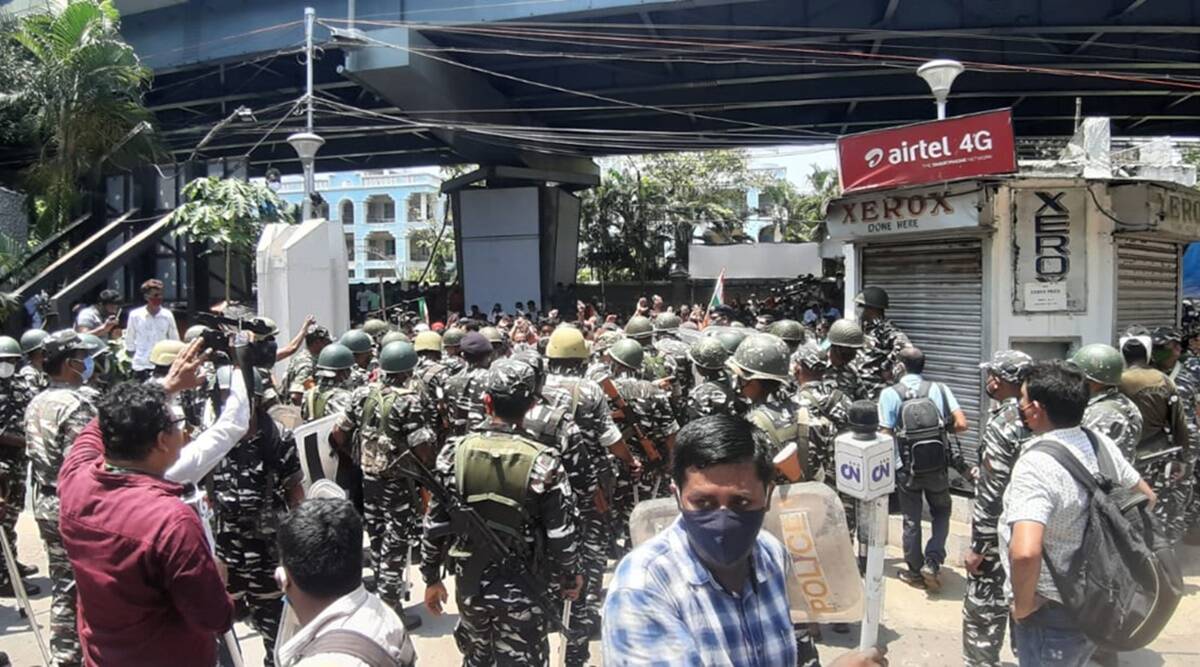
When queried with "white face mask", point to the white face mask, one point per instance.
{"points": [[7, 369]]}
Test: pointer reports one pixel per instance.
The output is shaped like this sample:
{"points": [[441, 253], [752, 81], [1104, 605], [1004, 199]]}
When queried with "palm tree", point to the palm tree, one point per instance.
{"points": [[84, 96]]}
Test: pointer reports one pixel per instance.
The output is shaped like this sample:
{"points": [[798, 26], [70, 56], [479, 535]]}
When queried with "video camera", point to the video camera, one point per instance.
{"points": [[257, 354]]}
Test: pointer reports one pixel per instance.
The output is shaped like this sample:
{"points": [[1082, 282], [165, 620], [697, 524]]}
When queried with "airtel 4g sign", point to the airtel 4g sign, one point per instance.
{"points": [[962, 147]]}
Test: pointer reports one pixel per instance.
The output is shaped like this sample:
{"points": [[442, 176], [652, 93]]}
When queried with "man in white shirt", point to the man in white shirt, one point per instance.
{"points": [[148, 325], [1045, 513], [338, 623]]}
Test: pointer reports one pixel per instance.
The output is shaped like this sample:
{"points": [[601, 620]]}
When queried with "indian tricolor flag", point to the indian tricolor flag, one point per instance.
{"points": [[718, 297], [423, 309]]}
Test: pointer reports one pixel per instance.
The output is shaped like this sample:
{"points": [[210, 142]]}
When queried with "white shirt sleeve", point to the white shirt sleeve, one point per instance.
{"points": [[172, 328], [201, 455], [131, 332]]}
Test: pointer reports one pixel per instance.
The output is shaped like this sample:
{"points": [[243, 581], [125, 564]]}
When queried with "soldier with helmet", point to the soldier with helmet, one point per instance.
{"points": [[252, 487], [433, 374], [162, 355], [362, 346], [760, 367], [1167, 357], [1109, 411], [526, 495], [715, 394], [15, 395], [985, 608], [382, 421], [790, 332], [331, 393], [32, 346], [846, 341], [654, 365], [674, 354], [376, 328], [451, 340], [497, 340], [827, 410], [102, 376], [301, 369], [730, 339], [1164, 452], [882, 341], [53, 419]]}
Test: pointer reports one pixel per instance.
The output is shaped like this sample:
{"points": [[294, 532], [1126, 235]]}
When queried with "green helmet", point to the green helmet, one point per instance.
{"points": [[9, 347], [790, 331], [762, 357], [224, 377], [193, 332], [32, 340], [357, 341], [846, 333], [62, 343], [605, 341], [730, 339], [872, 297], [627, 352], [94, 344], [397, 357], [638, 327], [453, 337], [392, 337], [1100, 363], [493, 335], [708, 353], [667, 322], [376, 328], [335, 357]]}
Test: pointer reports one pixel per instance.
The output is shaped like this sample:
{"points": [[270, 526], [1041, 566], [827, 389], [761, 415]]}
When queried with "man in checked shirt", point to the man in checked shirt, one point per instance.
{"points": [[711, 588]]}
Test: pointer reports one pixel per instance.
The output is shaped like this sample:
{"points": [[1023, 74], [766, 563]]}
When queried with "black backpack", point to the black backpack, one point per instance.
{"points": [[1124, 581], [920, 430]]}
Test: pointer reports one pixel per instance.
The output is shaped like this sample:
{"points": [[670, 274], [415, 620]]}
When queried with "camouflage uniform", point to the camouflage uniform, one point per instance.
{"points": [[15, 395], [359, 377], [52, 421], [248, 490], [1192, 514], [651, 408], [674, 353], [876, 362], [498, 623], [985, 609], [454, 363], [300, 372], [712, 397], [552, 426], [433, 377], [846, 379], [37, 380], [1112, 413], [1187, 384], [1164, 427], [327, 398], [391, 507], [464, 393]]}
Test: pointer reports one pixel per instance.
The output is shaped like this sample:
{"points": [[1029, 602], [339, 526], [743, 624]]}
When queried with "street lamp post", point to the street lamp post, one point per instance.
{"points": [[307, 144], [940, 75]]}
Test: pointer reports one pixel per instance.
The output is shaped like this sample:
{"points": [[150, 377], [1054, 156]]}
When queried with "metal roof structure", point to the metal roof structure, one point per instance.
{"points": [[560, 81]]}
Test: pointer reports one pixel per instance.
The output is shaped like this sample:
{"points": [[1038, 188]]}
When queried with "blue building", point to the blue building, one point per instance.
{"points": [[383, 215]]}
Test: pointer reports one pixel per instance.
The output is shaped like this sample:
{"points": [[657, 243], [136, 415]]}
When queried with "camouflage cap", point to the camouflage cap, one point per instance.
{"points": [[1008, 365], [511, 378], [1164, 335], [810, 356], [62, 343], [319, 332]]}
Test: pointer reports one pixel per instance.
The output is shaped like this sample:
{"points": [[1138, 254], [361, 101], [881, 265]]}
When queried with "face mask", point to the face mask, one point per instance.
{"points": [[722, 536], [7, 369], [858, 312], [89, 367]]}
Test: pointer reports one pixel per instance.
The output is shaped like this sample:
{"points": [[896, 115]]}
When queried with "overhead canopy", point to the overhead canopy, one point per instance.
{"points": [[508, 82]]}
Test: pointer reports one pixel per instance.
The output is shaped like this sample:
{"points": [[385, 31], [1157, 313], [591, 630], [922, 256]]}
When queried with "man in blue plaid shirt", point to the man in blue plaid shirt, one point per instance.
{"points": [[711, 588]]}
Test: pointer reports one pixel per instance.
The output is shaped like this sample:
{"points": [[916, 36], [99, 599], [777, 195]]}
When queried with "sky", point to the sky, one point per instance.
{"points": [[798, 160]]}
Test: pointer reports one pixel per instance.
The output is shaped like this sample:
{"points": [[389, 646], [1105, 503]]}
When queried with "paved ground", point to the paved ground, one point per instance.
{"points": [[920, 630]]}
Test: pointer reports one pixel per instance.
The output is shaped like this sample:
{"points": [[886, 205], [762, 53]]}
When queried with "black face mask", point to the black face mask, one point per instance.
{"points": [[722, 537]]}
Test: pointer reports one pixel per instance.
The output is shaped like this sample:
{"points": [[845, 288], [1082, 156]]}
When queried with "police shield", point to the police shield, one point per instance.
{"points": [[808, 518], [318, 460]]}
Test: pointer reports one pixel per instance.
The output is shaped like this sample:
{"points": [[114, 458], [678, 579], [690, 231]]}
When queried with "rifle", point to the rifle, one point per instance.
{"points": [[624, 414], [466, 521]]}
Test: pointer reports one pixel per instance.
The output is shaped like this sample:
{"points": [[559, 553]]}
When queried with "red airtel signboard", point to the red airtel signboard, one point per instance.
{"points": [[976, 145]]}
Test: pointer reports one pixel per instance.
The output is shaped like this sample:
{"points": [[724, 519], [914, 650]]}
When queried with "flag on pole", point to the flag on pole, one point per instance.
{"points": [[423, 309], [718, 297]]}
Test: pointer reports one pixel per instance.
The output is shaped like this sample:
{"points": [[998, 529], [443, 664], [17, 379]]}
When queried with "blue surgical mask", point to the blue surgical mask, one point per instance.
{"points": [[722, 536], [89, 367]]}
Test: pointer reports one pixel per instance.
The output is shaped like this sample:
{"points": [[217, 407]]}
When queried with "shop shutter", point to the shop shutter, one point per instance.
{"points": [[1147, 283], [935, 290]]}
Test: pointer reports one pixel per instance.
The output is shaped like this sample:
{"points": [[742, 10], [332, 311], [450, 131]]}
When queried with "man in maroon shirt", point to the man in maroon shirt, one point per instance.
{"points": [[150, 592]]}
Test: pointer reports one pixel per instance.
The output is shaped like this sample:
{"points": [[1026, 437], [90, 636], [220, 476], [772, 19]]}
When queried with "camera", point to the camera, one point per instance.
{"points": [[259, 353]]}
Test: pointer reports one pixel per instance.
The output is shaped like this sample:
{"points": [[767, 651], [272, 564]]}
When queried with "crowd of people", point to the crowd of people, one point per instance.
{"points": [[499, 450]]}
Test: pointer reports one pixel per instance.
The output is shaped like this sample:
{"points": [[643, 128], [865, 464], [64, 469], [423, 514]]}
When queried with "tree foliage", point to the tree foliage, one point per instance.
{"points": [[799, 215], [647, 209], [228, 214], [71, 90]]}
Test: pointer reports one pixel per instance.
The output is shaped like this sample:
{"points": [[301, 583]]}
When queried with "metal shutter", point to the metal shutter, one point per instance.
{"points": [[935, 292], [1147, 283]]}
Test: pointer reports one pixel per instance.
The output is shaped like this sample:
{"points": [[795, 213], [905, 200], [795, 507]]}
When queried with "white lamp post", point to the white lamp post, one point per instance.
{"points": [[307, 144], [940, 75]]}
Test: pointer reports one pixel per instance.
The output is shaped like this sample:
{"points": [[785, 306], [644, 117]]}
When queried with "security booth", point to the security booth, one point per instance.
{"points": [[1042, 264]]}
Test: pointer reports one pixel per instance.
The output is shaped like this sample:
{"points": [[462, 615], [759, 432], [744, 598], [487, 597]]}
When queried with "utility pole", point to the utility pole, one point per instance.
{"points": [[310, 185]]}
